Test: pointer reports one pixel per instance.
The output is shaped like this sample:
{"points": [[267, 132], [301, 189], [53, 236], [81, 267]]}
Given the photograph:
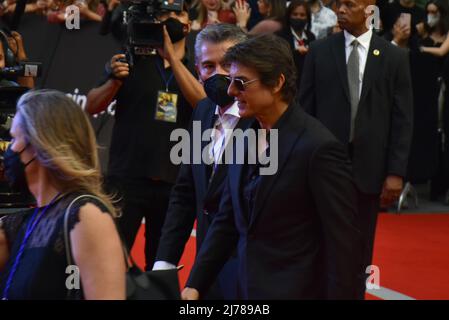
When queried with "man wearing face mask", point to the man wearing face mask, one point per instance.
{"points": [[198, 189], [153, 98]]}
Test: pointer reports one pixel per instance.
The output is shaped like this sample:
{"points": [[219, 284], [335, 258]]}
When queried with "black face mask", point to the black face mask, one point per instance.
{"points": [[216, 88], [175, 29], [15, 170], [298, 24]]}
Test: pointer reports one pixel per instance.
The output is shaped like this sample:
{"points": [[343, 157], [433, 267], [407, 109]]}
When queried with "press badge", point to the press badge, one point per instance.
{"points": [[166, 107]]}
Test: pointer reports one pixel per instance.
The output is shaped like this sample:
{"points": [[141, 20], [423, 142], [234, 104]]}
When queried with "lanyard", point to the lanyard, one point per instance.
{"points": [[161, 72], [29, 230]]}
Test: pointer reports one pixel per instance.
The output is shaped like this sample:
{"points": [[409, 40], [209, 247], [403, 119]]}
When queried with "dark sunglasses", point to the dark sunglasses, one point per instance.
{"points": [[239, 83]]}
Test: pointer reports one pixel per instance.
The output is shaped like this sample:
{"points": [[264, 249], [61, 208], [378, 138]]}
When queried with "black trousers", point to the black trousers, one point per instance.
{"points": [[225, 285], [137, 199], [368, 209]]}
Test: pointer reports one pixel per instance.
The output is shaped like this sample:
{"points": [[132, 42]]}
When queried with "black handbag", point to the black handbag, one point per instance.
{"points": [[140, 285]]}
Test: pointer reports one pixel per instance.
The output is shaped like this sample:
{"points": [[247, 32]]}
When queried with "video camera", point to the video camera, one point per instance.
{"points": [[9, 198], [23, 69], [144, 31]]}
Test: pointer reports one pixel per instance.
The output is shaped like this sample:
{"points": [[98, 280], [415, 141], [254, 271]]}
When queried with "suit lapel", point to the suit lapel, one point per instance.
{"points": [[207, 122], [290, 127], [338, 49], [373, 63], [235, 172]]}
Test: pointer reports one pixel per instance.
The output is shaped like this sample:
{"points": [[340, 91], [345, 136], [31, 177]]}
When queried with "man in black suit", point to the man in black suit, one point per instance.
{"points": [[293, 227], [199, 186], [364, 97]]}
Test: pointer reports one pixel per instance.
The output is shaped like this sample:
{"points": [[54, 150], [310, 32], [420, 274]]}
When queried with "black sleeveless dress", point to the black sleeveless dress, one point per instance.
{"points": [[424, 152], [41, 272]]}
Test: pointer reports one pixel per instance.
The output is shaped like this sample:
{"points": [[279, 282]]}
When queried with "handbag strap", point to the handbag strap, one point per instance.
{"points": [[129, 261]]}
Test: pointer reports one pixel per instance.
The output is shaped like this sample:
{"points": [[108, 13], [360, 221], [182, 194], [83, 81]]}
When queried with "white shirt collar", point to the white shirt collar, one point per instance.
{"points": [[303, 35], [232, 111], [364, 39]]}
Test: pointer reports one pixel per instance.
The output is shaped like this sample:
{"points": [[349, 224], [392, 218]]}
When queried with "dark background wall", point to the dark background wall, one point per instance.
{"points": [[73, 62]]}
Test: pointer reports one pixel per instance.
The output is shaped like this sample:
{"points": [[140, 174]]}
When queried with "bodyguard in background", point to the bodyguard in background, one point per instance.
{"points": [[368, 107]]}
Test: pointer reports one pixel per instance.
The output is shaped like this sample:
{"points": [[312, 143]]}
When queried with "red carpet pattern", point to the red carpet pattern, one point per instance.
{"points": [[411, 251]]}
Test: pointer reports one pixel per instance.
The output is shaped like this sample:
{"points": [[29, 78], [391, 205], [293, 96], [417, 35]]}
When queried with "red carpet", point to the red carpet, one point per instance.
{"points": [[187, 258], [412, 252]]}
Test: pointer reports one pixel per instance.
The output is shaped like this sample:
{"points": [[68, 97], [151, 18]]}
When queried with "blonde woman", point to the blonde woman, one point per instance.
{"points": [[53, 153]]}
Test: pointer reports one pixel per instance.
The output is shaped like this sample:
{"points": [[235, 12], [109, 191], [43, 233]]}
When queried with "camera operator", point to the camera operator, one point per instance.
{"points": [[154, 97], [12, 52]]}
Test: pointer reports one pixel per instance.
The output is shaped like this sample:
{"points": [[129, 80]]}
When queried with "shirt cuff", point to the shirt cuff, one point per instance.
{"points": [[163, 265]]}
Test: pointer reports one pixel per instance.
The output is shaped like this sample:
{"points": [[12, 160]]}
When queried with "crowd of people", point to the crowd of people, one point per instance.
{"points": [[55, 10], [353, 108]]}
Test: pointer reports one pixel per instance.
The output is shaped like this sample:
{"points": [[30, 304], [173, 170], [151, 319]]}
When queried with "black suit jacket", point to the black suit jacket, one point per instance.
{"points": [[192, 196], [383, 126], [301, 242]]}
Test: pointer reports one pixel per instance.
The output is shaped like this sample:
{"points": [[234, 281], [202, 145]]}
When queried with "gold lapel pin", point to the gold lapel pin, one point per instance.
{"points": [[376, 52]]}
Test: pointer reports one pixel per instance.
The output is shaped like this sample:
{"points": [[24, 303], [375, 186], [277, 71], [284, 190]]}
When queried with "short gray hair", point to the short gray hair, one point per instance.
{"points": [[218, 33]]}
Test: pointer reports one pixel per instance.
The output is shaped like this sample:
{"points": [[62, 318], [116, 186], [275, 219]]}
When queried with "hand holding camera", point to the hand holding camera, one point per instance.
{"points": [[15, 42], [168, 51], [119, 67]]}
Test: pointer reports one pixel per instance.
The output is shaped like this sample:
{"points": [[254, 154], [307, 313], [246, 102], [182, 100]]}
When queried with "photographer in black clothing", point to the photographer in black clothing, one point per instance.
{"points": [[154, 97]]}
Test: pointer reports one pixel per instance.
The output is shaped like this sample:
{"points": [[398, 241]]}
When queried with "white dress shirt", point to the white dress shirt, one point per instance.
{"points": [[363, 48], [224, 126]]}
